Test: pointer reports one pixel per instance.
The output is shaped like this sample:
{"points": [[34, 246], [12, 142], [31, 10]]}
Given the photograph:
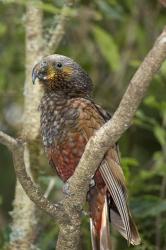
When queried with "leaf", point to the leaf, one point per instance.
{"points": [[152, 102], [160, 134], [48, 7], [135, 63], [129, 161], [142, 124], [152, 206], [145, 121], [107, 47], [44, 6], [112, 12], [3, 29], [163, 111], [157, 208], [159, 159], [145, 175], [163, 68]]}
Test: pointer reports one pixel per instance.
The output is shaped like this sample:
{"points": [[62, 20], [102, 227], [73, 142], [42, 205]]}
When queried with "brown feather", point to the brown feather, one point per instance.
{"points": [[114, 179], [68, 119], [99, 222], [84, 119]]}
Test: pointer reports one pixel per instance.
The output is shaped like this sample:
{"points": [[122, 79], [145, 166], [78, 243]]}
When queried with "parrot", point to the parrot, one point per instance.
{"points": [[69, 117]]}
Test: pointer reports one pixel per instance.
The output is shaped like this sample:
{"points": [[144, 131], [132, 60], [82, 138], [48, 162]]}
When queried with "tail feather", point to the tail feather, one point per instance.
{"points": [[117, 223], [118, 196], [105, 239], [110, 199], [101, 239], [121, 218]]}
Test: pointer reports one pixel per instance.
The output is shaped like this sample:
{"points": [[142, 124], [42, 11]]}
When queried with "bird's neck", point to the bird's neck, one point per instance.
{"points": [[52, 100], [65, 94], [56, 113]]}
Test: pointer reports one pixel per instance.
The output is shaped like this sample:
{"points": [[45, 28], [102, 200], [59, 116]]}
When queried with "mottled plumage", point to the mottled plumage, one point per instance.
{"points": [[69, 118]]}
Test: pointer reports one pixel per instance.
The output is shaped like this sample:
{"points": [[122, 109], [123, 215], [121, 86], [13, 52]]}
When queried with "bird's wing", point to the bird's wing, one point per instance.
{"points": [[90, 120]]}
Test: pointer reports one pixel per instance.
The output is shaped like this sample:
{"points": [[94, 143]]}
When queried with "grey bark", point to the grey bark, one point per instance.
{"points": [[24, 210]]}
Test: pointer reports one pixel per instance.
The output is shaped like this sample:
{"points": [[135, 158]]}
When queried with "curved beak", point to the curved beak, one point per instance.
{"points": [[34, 74], [40, 73]]}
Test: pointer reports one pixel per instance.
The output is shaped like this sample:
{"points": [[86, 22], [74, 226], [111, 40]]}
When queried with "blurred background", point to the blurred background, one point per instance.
{"points": [[109, 39]]}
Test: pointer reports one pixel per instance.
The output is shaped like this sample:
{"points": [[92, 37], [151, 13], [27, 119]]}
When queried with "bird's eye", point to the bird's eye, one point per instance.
{"points": [[59, 65]]}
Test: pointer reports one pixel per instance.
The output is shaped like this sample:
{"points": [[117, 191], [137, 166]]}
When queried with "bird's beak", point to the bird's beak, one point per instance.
{"points": [[34, 74], [39, 73]]}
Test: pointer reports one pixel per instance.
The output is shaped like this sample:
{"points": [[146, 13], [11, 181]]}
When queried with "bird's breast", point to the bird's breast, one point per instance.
{"points": [[65, 155], [64, 127], [57, 120]]}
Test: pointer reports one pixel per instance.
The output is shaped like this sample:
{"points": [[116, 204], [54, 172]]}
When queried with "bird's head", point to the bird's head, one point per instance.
{"points": [[60, 73]]}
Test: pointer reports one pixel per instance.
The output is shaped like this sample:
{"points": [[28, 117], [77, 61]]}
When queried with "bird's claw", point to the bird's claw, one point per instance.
{"points": [[66, 190]]}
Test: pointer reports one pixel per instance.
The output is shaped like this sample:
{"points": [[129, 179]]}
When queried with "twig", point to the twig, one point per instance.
{"points": [[17, 147], [50, 187], [58, 33], [7, 140]]}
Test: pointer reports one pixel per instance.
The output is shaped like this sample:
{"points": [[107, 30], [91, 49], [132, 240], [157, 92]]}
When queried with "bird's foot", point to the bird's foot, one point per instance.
{"points": [[92, 183], [66, 190]]}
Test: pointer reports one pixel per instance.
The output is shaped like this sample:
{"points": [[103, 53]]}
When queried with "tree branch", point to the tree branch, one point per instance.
{"points": [[24, 219], [58, 33], [96, 148], [7, 140], [17, 147], [121, 120], [113, 129]]}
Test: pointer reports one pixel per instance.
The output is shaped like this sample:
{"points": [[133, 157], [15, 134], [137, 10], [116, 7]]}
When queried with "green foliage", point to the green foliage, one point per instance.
{"points": [[107, 46], [127, 163]]}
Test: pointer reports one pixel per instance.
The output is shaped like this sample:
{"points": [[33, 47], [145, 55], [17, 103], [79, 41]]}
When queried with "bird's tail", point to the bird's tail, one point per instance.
{"points": [[103, 211], [99, 220]]}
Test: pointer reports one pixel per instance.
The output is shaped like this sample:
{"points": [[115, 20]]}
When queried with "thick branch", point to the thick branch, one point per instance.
{"points": [[24, 219], [121, 120], [109, 134], [35, 49]]}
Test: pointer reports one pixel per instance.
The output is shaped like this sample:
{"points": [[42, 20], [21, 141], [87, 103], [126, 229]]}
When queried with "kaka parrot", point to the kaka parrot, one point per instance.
{"points": [[69, 117]]}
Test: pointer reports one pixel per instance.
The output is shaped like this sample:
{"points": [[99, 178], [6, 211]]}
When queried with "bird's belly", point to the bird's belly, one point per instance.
{"points": [[65, 156]]}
